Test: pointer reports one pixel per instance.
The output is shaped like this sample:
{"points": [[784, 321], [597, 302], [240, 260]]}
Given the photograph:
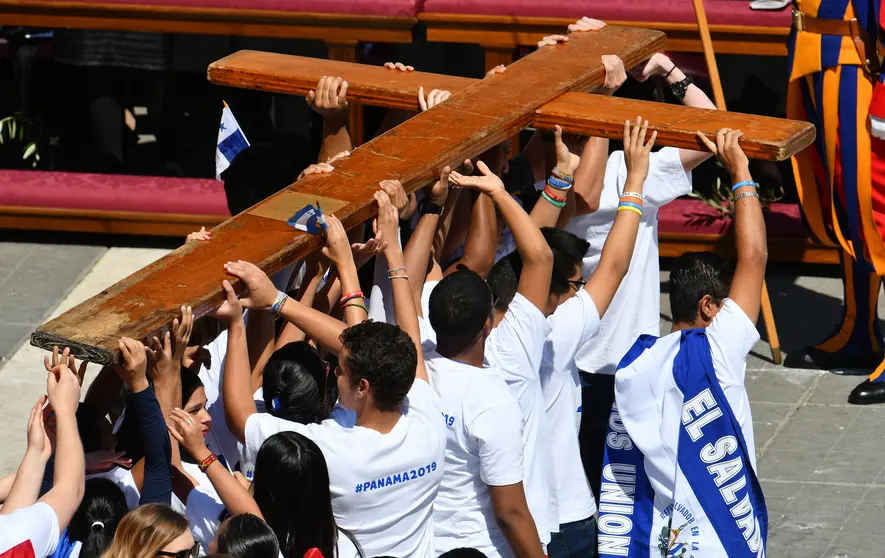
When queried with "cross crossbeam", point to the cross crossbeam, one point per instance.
{"points": [[477, 118]]}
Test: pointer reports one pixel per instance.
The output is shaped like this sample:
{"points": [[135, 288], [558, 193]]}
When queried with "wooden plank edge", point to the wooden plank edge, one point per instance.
{"points": [[780, 250]]}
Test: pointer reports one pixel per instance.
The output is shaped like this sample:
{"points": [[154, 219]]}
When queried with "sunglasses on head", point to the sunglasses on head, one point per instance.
{"points": [[192, 552], [578, 284]]}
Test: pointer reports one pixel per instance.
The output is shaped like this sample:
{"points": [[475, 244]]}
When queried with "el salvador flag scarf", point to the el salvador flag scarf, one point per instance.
{"points": [[678, 479]]}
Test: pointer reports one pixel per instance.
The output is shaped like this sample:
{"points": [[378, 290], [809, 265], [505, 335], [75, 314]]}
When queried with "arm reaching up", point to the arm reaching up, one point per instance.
{"points": [[750, 238], [236, 387], [537, 259], [417, 253], [618, 250], [557, 204], [329, 99], [338, 250]]}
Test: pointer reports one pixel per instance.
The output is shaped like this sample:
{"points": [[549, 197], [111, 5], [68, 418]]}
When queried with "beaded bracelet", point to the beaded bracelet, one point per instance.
{"points": [[636, 195], [207, 462], [743, 183], [557, 183], [559, 204], [278, 302], [554, 196], [746, 195], [356, 305], [562, 175], [627, 206], [350, 296]]}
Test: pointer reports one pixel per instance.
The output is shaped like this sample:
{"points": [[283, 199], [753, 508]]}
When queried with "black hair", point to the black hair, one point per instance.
{"points": [[95, 521], [190, 382], [693, 275], [247, 536], [458, 309], [89, 427], [568, 253], [257, 172], [297, 384], [384, 355], [504, 280], [463, 553], [291, 489]]}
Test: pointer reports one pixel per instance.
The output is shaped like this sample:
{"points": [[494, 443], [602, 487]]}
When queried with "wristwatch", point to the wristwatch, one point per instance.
{"points": [[426, 206], [680, 87]]}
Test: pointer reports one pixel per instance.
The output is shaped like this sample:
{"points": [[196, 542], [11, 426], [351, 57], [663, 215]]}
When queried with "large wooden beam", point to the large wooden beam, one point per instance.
{"points": [[478, 118], [580, 113]]}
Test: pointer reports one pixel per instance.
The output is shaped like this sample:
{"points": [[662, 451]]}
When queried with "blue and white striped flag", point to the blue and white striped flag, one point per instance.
{"points": [[231, 141], [309, 219], [678, 478]]}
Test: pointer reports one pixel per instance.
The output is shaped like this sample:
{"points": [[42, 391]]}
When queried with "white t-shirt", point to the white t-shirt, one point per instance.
{"points": [[636, 307], [36, 525], [383, 485], [484, 448], [573, 324], [123, 479], [515, 349]]}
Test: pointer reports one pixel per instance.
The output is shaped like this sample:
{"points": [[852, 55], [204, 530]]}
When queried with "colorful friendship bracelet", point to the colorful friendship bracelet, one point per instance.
{"points": [[743, 183], [350, 296], [746, 195], [278, 302], [562, 175], [207, 462], [630, 207], [357, 305], [554, 196], [547, 197]]}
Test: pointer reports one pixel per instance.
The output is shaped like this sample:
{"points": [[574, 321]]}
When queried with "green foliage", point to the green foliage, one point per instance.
{"points": [[19, 142]]}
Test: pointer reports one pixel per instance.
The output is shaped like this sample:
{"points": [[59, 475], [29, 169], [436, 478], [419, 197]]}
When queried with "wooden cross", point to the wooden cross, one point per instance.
{"points": [[480, 114]]}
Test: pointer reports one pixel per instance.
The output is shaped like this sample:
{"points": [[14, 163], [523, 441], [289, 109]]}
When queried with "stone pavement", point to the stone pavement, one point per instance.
{"points": [[821, 461]]}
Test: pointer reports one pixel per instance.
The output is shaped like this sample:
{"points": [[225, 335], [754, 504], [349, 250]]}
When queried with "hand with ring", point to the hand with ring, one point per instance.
{"points": [[188, 433]]}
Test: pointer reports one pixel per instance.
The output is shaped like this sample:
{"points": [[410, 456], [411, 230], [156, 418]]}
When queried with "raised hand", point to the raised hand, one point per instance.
{"points": [[397, 194], [101, 461], [636, 150], [337, 157], [365, 251], [658, 65], [550, 40], [262, 292], [388, 220], [566, 161], [729, 151], [133, 371], [67, 358], [398, 66], [497, 70], [183, 331], [487, 183], [201, 234], [586, 24], [615, 74], [231, 310], [317, 168], [63, 389], [439, 191], [330, 96], [38, 439], [187, 432], [337, 247], [435, 97]]}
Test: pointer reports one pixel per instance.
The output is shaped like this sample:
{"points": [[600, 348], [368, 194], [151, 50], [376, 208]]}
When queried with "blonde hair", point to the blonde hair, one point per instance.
{"points": [[145, 530]]}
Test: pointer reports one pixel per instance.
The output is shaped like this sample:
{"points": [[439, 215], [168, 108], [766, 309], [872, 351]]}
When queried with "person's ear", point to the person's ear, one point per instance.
{"points": [[362, 388], [706, 309]]}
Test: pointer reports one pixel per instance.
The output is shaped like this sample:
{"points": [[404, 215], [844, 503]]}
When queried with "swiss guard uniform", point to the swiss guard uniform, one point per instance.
{"points": [[835, 84]]}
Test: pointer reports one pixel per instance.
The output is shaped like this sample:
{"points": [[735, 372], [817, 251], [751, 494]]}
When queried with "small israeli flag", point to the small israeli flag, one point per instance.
{"points": [[231, 141], [309, 219]]}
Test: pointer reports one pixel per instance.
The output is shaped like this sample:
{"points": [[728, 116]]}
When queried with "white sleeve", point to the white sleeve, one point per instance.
{"points": [[732, 336], [423, 401], [381, 297], [37, 524], [497, 433], [519, 343], [667, 178], [203, 513], [261, 426], [574, 322]]}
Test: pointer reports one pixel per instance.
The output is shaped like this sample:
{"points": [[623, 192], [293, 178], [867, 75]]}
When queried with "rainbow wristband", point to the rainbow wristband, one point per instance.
{"points": [[558, 204], [278, 302], [562, 175], [630, 208], [630, 204], [744, 183]]}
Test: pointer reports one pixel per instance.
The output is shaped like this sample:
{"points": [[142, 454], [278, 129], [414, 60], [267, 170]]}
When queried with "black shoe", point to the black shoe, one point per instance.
{"points": [[813, 358], [868, 393]]}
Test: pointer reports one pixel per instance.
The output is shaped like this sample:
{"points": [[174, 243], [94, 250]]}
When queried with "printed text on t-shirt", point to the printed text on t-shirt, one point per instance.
{"points": [[398, 478]]}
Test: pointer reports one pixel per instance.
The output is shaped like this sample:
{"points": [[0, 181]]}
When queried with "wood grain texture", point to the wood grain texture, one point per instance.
{"points": [[211, 21], [581, 113], [482, 116]]}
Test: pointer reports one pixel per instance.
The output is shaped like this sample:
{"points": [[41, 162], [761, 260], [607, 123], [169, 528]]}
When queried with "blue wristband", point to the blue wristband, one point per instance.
{"points": [[278, 302], [744, 183], [630, 204], [557, 183]]}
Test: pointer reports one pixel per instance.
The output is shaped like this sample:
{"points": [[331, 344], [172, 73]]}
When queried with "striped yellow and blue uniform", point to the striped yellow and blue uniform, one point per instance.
{"points": [[841, 180]]}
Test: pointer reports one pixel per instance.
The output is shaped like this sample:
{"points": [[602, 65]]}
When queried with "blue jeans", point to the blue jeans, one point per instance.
{"points": [[574, 539]]}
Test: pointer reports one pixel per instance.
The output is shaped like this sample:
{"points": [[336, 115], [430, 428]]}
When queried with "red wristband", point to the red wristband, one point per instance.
{"points": [[350, 296], [549, 191]]}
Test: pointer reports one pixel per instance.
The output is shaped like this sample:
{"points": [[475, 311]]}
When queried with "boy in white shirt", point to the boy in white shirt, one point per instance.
{"points": [[385, 443]]}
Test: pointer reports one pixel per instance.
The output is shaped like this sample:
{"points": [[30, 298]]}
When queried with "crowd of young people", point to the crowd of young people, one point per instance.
{"points": [[455, 421]]}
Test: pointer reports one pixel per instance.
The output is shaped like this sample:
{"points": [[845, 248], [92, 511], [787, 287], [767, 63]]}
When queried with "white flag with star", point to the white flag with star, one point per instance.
{"points": [[231, 141]]}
